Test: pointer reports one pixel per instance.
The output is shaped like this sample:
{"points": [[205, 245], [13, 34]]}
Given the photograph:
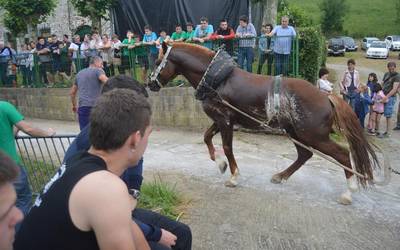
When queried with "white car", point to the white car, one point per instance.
{"points": [[393, 42], [366, 42], [378, 49]]}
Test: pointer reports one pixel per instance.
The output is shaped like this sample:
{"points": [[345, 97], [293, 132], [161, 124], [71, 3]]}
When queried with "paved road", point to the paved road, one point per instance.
{"points": [[300, 214]]}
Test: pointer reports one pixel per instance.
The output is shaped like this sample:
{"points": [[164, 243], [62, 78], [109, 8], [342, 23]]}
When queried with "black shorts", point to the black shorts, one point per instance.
{"points": [[143, 61]]}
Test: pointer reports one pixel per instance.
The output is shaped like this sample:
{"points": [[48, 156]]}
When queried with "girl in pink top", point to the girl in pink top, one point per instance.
{"points": [[377, 109]]}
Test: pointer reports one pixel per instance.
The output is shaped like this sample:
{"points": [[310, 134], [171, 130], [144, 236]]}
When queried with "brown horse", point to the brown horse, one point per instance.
{"points": [[305, 113]]}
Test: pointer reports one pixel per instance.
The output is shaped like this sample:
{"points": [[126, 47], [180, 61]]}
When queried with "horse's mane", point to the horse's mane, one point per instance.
{"points": [[194, 48]]}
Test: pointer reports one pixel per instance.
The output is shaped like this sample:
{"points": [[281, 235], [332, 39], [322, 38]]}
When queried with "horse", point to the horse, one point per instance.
{"points": [[306, 115]]}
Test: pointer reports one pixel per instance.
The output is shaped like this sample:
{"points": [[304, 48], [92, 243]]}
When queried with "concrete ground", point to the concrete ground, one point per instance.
{"points": [[302, 213]]}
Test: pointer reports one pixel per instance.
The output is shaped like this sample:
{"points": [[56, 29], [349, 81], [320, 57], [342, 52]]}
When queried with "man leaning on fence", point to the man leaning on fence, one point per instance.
{"points": [[284, 35], [88, 86], [87, 206], [247, 35], [10, 117]]}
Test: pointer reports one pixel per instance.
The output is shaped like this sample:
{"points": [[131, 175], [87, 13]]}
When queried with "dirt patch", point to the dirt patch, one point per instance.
{"points": [[246, 218]]}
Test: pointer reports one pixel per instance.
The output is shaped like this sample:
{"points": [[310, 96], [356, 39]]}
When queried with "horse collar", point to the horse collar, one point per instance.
{"points": [[156, 73]]}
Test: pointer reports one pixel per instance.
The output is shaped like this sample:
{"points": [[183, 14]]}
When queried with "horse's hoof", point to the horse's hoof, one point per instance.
{"points": [[276, 179], [230, 183], [345, 198], [222, 165]]}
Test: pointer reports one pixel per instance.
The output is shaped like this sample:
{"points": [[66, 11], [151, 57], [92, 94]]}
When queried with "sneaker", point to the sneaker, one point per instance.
{"points": [[396, 128], [370, 132], [383, 135]]}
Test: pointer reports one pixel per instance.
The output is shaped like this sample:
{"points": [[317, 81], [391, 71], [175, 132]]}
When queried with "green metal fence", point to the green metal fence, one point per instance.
{"points": [[31, 70]]}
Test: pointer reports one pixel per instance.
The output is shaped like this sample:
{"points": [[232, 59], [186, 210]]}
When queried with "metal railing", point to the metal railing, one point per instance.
{"points": [[33, 70], [42, 156]]}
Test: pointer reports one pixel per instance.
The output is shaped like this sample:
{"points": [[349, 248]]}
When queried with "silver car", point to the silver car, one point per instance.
{"points": [[366, 42]]}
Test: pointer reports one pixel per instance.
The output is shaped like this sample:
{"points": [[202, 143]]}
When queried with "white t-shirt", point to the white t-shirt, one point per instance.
{"points": [[324, 85]]}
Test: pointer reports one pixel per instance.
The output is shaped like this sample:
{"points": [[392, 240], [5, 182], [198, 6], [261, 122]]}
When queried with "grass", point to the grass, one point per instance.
{"points": [[364, 17], [162, 197], [156, 195]]}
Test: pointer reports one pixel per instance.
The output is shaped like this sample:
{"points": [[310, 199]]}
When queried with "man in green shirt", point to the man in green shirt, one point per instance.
{"points": [[179, 35], [189, 32], [10, 117]]}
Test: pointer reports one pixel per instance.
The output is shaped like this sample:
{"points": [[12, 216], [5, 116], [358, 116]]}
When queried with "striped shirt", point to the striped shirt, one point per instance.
{"points": [[283, 39], [248, 31]]}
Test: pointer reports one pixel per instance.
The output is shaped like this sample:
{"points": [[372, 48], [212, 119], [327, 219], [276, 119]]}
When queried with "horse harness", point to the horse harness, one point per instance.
{"points": [[220, 67], [156, 73]]}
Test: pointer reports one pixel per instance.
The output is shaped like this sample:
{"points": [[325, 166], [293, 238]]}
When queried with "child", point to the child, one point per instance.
{"points": [[372, 81], [377, 109], [323, 84], [162, 38], [362, 101]]}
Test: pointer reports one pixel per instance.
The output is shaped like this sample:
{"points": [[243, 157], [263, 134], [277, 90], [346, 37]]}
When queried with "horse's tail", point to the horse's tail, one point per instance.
{"points": [[362, 155]]}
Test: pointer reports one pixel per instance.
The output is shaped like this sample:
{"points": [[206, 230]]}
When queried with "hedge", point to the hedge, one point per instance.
{"points": [[312, 52]]}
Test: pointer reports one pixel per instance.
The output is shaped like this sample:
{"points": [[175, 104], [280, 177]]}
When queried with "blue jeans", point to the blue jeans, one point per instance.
{"points": [[132, 176], [246, 53], [24, 193], [281, 64], [83, 116]]}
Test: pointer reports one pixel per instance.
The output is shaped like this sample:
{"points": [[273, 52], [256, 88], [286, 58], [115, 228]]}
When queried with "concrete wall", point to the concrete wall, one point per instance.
{"points": [[173, 107]]}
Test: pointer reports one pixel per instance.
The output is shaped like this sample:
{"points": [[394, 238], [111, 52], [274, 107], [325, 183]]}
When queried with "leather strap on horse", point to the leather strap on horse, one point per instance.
{"points": [[263, 124]]}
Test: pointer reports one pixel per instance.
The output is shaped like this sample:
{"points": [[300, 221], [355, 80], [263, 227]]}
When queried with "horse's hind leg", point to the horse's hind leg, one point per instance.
{"points": [[208, 135], [302, 156], [342, 156]]}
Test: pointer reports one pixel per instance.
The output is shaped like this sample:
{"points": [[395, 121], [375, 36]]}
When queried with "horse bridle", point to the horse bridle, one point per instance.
{"points": [[156, 73]]}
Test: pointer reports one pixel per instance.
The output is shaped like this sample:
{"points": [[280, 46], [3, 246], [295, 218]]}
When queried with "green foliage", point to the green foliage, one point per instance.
{"points": [[15, 24], [297, 15], [94, 9], [333, 13], [19, 13], [312, 52], [363, 17], [162, 197]]}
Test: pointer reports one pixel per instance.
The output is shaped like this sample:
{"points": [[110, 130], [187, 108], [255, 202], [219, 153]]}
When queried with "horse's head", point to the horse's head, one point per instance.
{"points": [[166, 70]]}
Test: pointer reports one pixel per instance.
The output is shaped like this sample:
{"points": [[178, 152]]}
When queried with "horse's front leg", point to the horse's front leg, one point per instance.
{"points": [[226, 130], [208, 135]]}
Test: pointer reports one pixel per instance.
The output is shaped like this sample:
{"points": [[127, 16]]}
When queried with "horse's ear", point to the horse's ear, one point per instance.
{"points": [[164, 47]]}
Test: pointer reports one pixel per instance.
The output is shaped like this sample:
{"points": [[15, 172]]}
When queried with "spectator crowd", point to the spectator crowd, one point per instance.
{"points": [[54, 59]]}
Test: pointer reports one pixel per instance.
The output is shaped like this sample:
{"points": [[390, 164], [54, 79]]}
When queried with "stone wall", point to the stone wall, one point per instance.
{"points": [[173, 107]]}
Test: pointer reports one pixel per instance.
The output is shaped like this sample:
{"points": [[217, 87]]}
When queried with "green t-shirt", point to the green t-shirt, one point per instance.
{"points": [[9, 116], [189, 35], [139, 50], [176, 36], [125, 50]]}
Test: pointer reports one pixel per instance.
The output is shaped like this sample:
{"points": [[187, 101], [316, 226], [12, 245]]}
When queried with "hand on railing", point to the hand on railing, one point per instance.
{"points": [[51, 132]]}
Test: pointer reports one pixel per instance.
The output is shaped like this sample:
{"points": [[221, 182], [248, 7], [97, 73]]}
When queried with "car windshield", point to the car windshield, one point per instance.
{"points": [[370, 40], [378, 45], [396, 38], [335, 42]]}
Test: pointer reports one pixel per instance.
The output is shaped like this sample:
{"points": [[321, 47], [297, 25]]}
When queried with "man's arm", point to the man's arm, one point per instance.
{"points": [[106, 211], [33, 131], [103, 78], [72, 94], [392, 92]]}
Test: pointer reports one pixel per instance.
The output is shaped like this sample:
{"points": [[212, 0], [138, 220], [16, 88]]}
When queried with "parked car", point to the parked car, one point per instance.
{"points": [[349, 43], [336, 47], [393, 42], [366, 42], [378, 49]]}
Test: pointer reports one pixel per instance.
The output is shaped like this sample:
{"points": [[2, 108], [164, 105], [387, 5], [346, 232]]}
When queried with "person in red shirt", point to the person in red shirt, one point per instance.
{"points": [[224, 35]]}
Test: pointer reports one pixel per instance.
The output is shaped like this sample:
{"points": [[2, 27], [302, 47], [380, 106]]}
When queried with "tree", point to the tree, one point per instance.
{"points": [[333, 13], [270, 8], [94, 9], [297, 16], [22, 14]]}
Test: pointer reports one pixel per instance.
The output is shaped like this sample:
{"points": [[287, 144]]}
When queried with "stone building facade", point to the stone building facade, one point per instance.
{"points": [[65, 20]]}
